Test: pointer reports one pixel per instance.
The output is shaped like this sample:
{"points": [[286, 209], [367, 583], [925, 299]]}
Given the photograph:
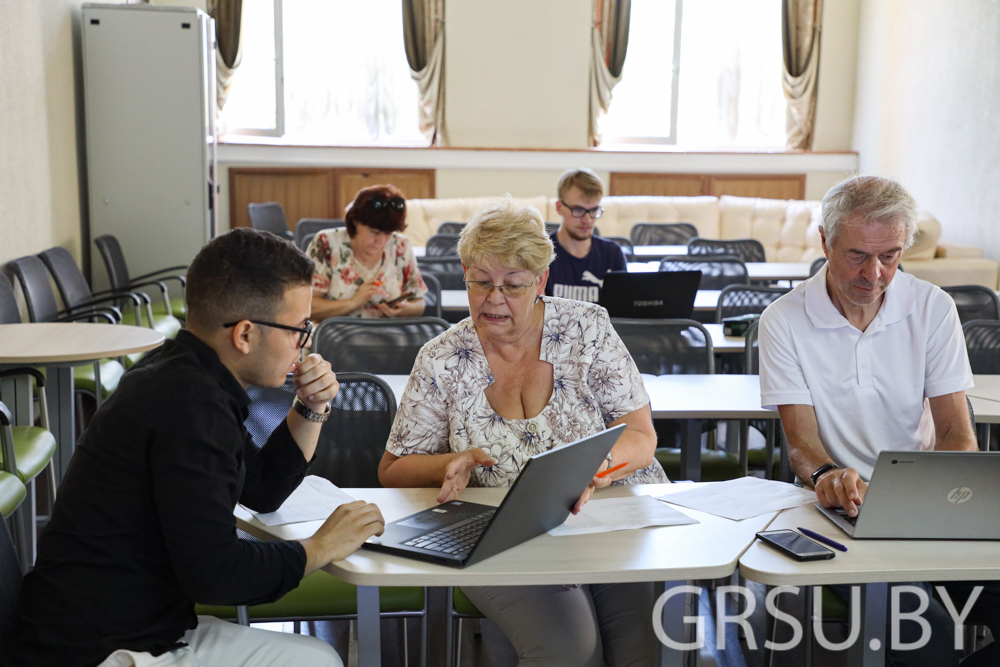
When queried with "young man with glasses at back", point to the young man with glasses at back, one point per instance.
{"points": [[143, 527], [582, 259]]}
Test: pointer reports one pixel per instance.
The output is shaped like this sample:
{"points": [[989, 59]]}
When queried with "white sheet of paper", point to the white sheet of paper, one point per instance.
{"points": [[606, 515], [742, 498], [314, 500]]}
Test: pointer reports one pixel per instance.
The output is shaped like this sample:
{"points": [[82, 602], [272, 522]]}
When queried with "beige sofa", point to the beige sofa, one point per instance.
{"points": [[788, 229]]}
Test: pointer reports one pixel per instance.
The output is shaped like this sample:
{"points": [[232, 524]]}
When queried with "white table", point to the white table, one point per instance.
{"points": [[707, 550], [987, 387], [873, 563], [458, 300], [755, 270]]}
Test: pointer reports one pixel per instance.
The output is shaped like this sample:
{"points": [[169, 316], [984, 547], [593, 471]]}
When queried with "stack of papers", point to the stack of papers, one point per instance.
{"points": [[314, 500], [742, 498], [604, 516]]}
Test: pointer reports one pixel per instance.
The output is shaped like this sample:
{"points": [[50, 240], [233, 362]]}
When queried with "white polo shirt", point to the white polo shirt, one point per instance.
{"points": [[868, 389]]}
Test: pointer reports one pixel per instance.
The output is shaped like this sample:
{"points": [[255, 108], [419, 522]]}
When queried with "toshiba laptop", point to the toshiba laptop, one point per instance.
{"points": [[928, 496], [461, 533], [661, 295]]}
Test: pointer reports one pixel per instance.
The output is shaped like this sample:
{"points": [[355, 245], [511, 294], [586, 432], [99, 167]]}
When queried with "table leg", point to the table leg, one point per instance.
{"points": [[744, 446], [876, 605], [770, 437], [672, 619], [691, 450], [369, 628], [62, 422]]}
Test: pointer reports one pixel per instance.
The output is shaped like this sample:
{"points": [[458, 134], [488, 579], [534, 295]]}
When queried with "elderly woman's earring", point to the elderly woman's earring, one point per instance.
{"points": [[538, 298]]}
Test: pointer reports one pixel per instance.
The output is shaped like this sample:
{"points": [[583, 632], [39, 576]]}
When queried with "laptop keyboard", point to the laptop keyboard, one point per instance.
{"points": [[853, 520], [456, 538]]}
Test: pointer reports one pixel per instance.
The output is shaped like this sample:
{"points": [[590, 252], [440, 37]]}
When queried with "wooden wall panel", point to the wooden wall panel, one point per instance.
{"points": [[769, 186], [304, 193], [415, 183]]}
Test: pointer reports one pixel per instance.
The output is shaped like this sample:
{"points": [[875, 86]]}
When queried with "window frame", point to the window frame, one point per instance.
{"points": [[279, 84]]}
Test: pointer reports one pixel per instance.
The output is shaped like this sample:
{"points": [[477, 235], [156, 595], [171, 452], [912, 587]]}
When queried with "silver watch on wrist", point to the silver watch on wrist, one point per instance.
{"points": [[308, 413]]}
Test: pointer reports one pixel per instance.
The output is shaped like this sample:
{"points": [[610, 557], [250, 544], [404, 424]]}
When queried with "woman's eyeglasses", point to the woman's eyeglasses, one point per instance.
{"points": [[304, 332], [579, 211], [485, 287], [378, 202]]}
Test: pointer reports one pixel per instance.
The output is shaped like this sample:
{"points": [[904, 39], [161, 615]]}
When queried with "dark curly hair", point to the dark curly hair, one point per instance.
{"points": [[363, 210]]}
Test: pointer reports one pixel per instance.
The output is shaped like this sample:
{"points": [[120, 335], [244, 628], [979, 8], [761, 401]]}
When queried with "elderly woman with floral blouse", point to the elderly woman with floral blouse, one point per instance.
{"points": [[360, 268], [526, 373]]}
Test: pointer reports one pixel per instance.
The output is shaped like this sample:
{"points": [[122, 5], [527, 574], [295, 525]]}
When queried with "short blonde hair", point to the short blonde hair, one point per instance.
{"points": [[505, 234], [584, 180]]}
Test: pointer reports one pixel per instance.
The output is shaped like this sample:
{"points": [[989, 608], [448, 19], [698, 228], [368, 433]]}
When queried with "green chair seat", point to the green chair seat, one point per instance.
{"points": [[12, 493], [716, 466], [34, 447], [834, 608], [321, 594], [463, 605], [757, 458], [111, 375], [167, 325], [177, 306]]}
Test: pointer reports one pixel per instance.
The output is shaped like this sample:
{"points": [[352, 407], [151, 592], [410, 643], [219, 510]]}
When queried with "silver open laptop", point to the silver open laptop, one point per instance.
{"points": [[928, 496]]}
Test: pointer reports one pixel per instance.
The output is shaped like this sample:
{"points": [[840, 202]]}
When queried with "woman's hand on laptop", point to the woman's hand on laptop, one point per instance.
{"points": [[456, 475], [841, 487]]}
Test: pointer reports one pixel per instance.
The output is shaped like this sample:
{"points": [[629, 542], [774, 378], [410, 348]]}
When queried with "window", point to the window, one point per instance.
{"points": [[252, 106], [720, 86], [345, 75]]}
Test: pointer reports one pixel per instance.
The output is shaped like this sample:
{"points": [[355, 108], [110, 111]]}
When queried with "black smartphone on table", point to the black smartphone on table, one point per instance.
{"points": [[401, 297], [795, 545]]}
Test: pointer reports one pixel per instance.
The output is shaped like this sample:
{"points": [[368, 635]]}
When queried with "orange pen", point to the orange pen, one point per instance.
{"points": [[611, 470]]}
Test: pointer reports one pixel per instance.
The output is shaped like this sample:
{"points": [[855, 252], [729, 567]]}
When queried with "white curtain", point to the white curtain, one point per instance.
{"points": [[423, 35], [801, 27], [228, 15]]}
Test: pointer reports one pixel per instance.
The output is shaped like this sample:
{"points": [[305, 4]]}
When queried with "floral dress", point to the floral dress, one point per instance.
{"points": [[339, 274], [444, 407]]}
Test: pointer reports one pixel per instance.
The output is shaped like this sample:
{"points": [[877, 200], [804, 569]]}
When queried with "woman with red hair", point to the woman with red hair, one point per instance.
{"points": [[362, 267]]}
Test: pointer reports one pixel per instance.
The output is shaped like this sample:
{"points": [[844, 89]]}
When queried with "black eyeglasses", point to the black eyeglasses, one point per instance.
{"points": [[304, 332], [579, 211], [378, 202]]}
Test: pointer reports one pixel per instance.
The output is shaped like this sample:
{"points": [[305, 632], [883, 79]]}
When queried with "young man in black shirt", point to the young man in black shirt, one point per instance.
{"points": [[143, 527], [582, 259]]}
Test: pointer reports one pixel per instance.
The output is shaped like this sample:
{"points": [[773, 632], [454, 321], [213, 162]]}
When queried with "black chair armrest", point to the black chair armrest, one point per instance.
{"points": [[113, 315], [156, 273], [5, 417], [25, 370], [137, 299]]}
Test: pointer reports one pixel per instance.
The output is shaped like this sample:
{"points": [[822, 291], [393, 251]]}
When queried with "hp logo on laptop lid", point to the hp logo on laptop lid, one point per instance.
{"points": [[959, 495]]}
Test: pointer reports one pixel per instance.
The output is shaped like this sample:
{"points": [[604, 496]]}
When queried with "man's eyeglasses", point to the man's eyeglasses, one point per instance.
{"points": [[579, 211], [304, 332], [485, 287], [378, 202]]}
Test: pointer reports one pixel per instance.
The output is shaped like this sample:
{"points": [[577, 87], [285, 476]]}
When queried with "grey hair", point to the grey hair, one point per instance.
{"points": [[874, 199]]}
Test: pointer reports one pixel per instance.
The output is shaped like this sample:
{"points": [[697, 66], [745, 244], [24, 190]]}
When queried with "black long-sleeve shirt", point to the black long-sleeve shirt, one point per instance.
{"points": [[143, 526]]}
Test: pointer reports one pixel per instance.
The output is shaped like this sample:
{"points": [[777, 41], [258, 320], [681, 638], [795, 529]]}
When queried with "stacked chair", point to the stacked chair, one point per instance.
{"points": [[307, 228], [118, 276], [270, 217], [659, 233]]}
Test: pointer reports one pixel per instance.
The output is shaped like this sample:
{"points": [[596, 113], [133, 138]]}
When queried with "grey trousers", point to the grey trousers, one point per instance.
{"points": [[589, 626]]}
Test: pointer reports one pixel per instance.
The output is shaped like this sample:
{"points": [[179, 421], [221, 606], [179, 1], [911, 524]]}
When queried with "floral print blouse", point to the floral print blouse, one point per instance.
{"points": [[339, 274], [444, 407]]}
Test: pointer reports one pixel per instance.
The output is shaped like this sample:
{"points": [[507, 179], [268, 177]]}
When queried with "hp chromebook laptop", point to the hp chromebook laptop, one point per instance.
{"points": [[460, 533], [928, 496], [661, 295]]}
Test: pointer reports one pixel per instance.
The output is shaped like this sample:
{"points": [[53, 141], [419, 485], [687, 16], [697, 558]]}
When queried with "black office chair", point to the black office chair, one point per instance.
{"points": [[270, 217], [387, 346], [625, 245], [118, 276], [312, 226], [450, 276], [432, 300], [553, 227], [982, 342], [738, 300], [816, 266], [442, 245], [974, 302], [761, 458], [451, 227], [662, 233], [716, 272], [748, 250]]}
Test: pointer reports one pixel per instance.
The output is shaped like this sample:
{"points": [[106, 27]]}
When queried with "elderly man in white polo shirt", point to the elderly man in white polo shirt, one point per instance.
{"points": [[862, 358]]}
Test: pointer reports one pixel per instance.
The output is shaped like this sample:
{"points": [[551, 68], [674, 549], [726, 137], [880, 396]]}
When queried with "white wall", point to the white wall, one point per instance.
{"points": [[927, 94], [838, 66]]}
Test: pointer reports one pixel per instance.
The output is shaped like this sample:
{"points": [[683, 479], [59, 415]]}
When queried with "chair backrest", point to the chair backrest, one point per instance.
{"points": [[73, 287], [114, 262], [448, 271], [451, 227], [667, 347], [351, 442], [9, 312], [10, 576], [748, 250], [33, 278], [752, 353], [662, 233], [312, 226], [269, 217], [386, 346], [553, 227], [816, 266], [442, 245], [306, 241], [974, 302], [624, 244], [982, 342], [432, 300], [716, 272], [738, 300]]}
